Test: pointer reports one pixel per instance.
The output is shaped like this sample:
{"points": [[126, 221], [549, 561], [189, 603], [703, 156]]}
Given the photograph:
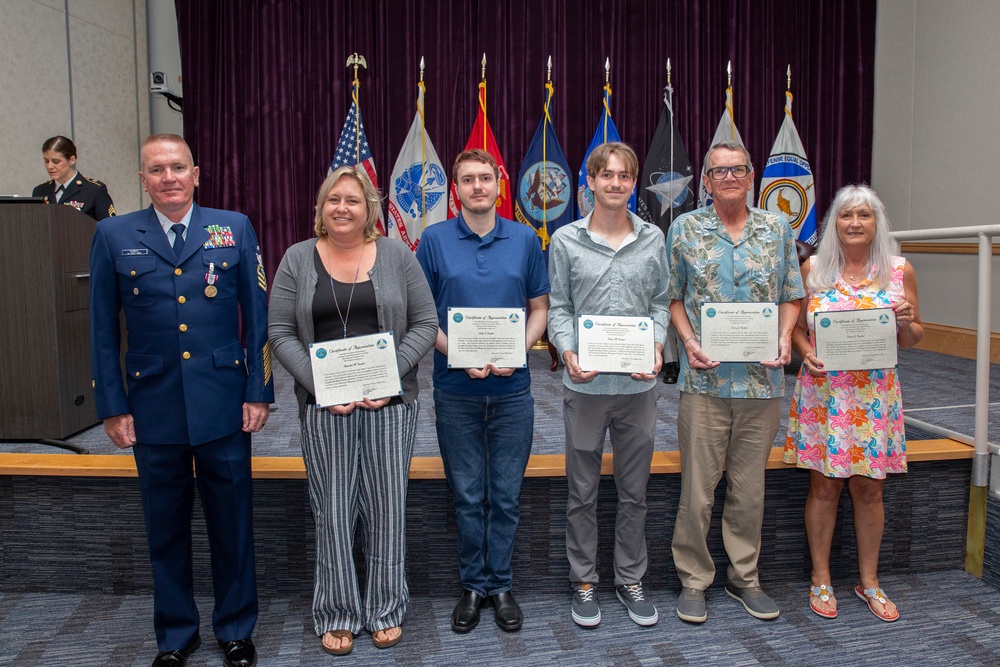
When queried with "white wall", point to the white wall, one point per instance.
{"points": [[77, 68], [936, 152]]}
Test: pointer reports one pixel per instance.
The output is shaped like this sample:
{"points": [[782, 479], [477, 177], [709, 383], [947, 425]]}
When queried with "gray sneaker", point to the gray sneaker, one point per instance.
{"points": [[755, 600], [586, 611], [639, 608], [691, 605]]}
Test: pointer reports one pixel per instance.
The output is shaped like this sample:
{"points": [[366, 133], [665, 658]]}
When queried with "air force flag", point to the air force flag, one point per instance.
{"points": [[786, 187], [606, 133], [418, 185]]}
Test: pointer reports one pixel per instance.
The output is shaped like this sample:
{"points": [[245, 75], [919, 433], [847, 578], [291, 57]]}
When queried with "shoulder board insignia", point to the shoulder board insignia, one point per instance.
{"points": [[91, 180]]}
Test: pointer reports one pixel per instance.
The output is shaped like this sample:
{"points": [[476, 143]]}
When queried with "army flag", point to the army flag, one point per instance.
{"points": [[606, 132], [726, 131], [352, 148], [482, 137], [418, 184], [787, 185], [666, 189], [544, 195]]}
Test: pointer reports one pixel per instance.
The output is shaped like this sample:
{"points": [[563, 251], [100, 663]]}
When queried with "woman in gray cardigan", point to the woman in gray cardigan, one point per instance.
{"points": [[350, 281]]}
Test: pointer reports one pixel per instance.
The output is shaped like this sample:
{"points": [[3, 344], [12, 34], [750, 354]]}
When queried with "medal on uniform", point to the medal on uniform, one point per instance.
{"points": [[211, 290]]}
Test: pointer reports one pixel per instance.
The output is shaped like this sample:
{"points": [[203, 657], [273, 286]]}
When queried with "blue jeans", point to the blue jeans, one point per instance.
{"points": [[485, 443]]}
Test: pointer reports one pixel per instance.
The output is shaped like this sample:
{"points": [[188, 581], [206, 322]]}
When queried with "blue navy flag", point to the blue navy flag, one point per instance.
{"points": [[352, 148], [665, 186], [606, 132], [544, 192], [787, 185]]}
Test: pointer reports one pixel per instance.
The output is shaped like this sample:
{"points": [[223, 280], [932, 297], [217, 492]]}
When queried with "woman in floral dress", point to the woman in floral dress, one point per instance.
{"points": [[846, 427]]}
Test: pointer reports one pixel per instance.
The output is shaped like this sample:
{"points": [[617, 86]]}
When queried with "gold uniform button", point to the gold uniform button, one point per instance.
{"points": [[237, 362], [186, 355], [177, 272], [225, 265], [181, 299], [183, 327], [135, 290], [137, 373], [132, 273]]}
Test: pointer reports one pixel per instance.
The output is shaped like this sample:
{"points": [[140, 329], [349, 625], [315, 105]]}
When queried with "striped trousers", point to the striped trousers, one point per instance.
{"points": [[358, 466]]}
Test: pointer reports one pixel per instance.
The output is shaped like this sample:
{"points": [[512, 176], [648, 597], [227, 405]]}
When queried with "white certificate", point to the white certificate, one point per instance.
{"points": [[481, 336], [739, 331], [611, 344], [355, 368], [856, 340]]}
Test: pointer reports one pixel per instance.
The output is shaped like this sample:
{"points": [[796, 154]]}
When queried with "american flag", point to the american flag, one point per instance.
{"points": [[352, 148]]}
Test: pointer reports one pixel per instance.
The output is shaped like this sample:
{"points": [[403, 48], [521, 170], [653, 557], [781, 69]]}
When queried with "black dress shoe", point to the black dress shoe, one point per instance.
{"points": [[466, 614], [239, 653], [671, 370], [508, 612], [179, 657]]}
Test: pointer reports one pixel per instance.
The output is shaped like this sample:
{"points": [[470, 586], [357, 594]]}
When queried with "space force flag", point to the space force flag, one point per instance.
{"points": [[725, 132], [544, 195], [666, 177], [606, 132], [482, 137], [352, 148], [418, 184], [787, 185]]}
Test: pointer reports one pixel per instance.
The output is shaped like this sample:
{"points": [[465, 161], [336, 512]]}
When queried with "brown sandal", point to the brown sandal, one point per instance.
{"points": [[386, 643], [339, 634]]}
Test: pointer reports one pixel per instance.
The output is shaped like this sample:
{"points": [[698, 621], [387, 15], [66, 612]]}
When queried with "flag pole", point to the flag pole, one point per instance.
{"points": [[549, 89], [482, 100], [355, 60], [421, 90], [607, 96], [729, 100], [668, 99]]}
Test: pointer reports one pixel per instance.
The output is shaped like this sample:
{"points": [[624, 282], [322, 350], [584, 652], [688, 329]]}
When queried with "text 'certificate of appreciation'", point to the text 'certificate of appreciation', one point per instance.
{"points": [[739, 331], [856, 340], [481, 336], [355, 368], [612, 344]]}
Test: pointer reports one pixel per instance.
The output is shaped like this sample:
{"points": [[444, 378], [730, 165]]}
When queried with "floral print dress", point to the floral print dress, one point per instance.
{"points": [[849, 422]]}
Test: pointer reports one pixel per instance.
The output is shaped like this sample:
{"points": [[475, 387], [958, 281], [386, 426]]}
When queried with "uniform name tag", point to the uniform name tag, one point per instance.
{"points": [[129, 252]]}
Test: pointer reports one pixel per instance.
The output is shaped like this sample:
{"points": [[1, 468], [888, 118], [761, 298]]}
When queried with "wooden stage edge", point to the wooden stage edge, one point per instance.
{"points": [[422, 467]]}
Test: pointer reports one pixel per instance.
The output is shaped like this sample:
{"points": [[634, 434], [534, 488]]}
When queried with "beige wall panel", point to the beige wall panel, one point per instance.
{"points": [[104, 103], [142, 82], [54, 4], [936, 80], [112, 15], [34, 89]]}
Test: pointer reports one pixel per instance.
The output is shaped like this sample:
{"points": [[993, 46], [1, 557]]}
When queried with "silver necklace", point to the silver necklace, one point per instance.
{"points": [[344, 318]]}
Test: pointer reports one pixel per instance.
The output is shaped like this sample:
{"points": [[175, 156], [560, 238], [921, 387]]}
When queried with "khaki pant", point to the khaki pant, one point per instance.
{"points": [[715, 434]]}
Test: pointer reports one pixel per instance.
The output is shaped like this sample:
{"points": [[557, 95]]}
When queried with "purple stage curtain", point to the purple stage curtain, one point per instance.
{"points": [[267, 89]]}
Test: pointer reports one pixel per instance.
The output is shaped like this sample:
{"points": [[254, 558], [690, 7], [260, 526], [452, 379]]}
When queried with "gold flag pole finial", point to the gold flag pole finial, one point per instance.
{"points": [[355, 60], [607, 71], [668, 72], [729, 73], [421, 69], [484, 66], [550, 68], [788, 73]]}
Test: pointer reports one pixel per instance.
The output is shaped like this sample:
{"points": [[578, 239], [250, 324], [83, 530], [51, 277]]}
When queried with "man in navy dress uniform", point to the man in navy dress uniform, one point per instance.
{"points": [[187, 278]]}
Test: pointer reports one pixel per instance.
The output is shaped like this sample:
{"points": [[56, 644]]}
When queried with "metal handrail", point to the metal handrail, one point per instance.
{"points": [[985, 233]]}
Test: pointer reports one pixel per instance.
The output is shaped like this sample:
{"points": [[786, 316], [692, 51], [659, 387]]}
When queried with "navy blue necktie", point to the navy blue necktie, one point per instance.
{"points": [[178, 231]]}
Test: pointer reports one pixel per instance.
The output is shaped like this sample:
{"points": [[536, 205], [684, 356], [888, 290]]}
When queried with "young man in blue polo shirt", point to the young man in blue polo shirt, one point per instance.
{"points": [[484, 416]]}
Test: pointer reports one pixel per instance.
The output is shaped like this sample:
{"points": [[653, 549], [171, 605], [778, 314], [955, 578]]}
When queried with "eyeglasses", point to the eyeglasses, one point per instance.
{"points": [[738, 171]]}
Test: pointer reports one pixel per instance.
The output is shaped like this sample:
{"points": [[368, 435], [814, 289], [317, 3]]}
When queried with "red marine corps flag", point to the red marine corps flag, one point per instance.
{"points": [[482, 137]]}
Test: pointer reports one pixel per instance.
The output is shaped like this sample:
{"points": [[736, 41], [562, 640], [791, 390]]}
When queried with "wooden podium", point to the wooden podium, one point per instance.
{"points": [[45, 379]]}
